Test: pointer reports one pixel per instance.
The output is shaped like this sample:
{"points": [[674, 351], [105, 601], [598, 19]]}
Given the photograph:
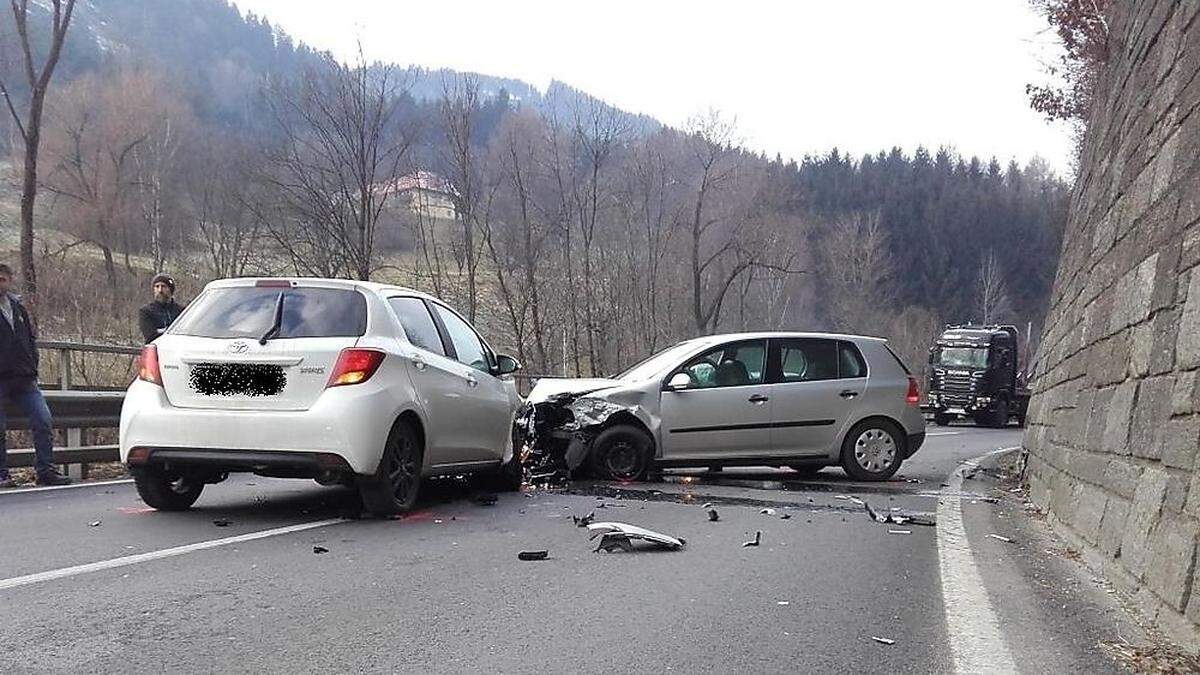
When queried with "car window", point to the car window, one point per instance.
{"points": [[730, 365], [418, 324], [850, 361], [249, 312], [467, 346], [807, 360]]}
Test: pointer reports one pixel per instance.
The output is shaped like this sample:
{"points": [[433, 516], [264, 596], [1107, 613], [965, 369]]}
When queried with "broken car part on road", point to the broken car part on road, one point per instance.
{"points": [[622, 535]]}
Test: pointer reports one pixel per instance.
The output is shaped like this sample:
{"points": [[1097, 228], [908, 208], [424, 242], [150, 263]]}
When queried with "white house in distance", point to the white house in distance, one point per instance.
{"points": [[426, 194]]}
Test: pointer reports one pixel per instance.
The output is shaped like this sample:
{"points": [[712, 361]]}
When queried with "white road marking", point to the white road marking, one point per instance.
{"points": [[975, 637], [72, 486], [943, 433], [139, 558]]}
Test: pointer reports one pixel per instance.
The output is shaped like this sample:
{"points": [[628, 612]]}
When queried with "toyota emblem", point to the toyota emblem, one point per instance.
{"points": [[238, 347]]}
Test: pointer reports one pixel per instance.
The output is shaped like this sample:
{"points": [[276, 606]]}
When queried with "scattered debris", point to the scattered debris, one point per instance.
{"points": [[622, 535], [785, 516], [221, 522], [858, 501], [533, 555], [783, 603], [484, 499], [1003, 539], [585, 520], [713, 516], [1161, 658], [320, 549], [899, 531], [767, 512], [94, 523], [883, 641], [756, 541], [898, 517]]}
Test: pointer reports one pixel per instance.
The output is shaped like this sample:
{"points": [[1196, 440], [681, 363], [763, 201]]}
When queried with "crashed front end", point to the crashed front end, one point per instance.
{"points": [[555, 432]]}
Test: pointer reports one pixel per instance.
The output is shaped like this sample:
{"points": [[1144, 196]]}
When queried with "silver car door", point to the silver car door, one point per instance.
{"points": [[725, 411], [811, 402]]}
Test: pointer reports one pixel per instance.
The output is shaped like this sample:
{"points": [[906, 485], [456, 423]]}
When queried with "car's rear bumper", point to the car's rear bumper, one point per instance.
{"points": [[217, 460], [350, 424], [915, 441]]}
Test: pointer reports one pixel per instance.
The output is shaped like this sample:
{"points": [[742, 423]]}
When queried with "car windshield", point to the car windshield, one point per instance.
{"points": [[963, 357], [653, 365], [249, 311]]}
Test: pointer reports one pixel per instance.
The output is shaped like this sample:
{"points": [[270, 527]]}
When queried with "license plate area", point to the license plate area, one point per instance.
{"points": [[237, 379]]}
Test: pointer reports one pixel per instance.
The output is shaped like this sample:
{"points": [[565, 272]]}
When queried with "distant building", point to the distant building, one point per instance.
{"points": [[426, 194]]}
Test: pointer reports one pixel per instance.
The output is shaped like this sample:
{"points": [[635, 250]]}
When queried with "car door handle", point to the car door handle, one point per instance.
{"points": [[758, 398], [848, 393], [418, 363]]}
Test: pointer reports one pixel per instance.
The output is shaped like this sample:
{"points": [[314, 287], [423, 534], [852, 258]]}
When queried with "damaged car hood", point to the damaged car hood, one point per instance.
{"points": [[552, 386]]}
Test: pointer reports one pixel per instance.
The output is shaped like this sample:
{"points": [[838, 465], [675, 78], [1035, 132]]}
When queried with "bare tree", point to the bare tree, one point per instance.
{"points": [[29, 125], [855, 267], [994, 303], [222, 194], [343, 151]]}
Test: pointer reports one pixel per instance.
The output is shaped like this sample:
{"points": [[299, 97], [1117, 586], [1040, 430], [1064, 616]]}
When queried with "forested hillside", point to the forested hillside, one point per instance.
{"points": [[185, 136]]}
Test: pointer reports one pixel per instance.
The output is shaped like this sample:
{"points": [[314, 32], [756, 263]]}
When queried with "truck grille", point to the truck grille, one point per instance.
{"points": [[952, 382]]}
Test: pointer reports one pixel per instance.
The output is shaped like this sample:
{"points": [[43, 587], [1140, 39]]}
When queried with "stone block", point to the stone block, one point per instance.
{"points": [[1118, 419], [1165, 329], [1135, 289], [1180, 439], [1171, 562], [1143, 518], [1178, 483], [1183, 399], [1140, 347], [1112, 526], [1151, 411], [1087, 514], [1166, 276], [1187, 346], [1122, 476], [1098, 419]]}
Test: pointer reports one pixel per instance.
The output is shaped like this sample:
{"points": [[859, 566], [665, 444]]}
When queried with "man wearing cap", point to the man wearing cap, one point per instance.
{"points": [[155, 317]]}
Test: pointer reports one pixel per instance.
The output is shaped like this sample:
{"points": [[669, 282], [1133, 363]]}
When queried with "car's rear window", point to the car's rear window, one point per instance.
{"points": [[249, 312], [898, 359]]}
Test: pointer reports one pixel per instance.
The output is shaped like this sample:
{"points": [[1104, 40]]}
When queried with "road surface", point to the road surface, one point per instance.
{"points": [[93, 581]]}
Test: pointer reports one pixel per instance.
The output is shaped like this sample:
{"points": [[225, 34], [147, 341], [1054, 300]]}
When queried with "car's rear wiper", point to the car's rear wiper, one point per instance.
{"points": [[276, 324]]}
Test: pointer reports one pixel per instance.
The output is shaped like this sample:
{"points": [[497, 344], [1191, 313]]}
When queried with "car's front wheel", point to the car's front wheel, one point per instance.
{"points": [[622, 452], [872, 450], [394, 486], [167, 491]]}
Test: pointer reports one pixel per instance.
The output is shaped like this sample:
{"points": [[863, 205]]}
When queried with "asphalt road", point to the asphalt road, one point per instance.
{"points": [[93, 581]]}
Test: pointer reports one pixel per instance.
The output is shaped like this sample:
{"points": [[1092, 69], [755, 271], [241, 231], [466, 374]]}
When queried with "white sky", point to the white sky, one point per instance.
{"points": [[799, 76]]}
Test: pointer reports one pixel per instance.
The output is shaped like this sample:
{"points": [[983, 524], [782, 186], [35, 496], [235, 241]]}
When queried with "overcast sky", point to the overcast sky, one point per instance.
{"points": [[800, 76]]}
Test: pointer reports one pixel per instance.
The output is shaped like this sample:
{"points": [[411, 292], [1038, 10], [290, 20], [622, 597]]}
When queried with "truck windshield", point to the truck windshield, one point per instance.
{"points": [[963, 357]]}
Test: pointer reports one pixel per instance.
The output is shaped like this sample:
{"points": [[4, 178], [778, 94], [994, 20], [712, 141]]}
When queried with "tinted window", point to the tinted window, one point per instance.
{"points": [[466, 343], [730, 365], [418, 324], [850, 361], [807, 360], [249, 312]]}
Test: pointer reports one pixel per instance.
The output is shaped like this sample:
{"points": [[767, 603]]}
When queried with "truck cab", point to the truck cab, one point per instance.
{"points": [[973, 372]]}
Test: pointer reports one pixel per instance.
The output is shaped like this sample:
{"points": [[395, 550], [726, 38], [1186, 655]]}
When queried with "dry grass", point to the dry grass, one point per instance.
{"points": [[1160, 658]]}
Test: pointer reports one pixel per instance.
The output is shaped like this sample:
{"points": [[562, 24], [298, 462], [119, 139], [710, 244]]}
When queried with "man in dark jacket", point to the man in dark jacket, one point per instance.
{"points": [[157, 316], [18, 384]]}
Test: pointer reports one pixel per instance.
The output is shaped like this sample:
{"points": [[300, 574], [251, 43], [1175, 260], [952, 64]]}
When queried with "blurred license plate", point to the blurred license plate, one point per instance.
{"points": [[237, 379]]}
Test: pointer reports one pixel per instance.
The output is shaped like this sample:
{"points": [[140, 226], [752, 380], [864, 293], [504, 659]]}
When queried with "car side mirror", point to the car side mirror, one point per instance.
{"points": [[679, 381], [506, 365]]}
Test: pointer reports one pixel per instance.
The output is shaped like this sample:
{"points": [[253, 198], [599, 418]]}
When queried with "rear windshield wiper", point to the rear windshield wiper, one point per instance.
{"points": [[276, 324]]}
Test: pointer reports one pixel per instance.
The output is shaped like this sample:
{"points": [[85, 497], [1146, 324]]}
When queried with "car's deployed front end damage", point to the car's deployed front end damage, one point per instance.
{"points": [[560, 419]]}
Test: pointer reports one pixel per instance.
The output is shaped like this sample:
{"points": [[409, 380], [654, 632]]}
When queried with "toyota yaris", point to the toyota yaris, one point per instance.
{"points": [[341, 381]]}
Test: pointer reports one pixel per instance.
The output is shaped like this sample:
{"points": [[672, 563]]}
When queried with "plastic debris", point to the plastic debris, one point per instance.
{"points": [[94, 523], [221, 522], [767, 512], [533, 555], [320, 549], [785, 516], [899, 531], [754, 542], [783, 603], [622, 535], [713, 516], [585, 520], [1003, 539], [898, 517], [883, 640]]}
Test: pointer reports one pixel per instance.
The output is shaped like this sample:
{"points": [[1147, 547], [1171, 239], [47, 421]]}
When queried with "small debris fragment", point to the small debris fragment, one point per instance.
{"points": [[320, 549], [767, 512], [621, 535], [533, 555], [783, 603], [785, 516], [713, 516], [585, 520], [94, 523], [883, 641], [221, 522], [858, 501], [756, 541], [899, 531], [1003, 539]]}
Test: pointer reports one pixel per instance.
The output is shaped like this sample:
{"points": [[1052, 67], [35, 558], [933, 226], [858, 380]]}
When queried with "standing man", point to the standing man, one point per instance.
{"points": [[18, 384], [157, 316]]}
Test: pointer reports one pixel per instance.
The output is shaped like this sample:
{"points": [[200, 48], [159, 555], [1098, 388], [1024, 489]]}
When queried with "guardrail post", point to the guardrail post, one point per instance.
{"points": [[74, 435]]}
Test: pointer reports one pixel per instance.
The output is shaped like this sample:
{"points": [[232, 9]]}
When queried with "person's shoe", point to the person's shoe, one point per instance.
{"points": [[6, 481], [52, 478]]}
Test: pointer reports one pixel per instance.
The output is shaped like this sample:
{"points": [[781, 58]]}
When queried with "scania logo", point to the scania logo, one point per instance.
{"points": [[238, 347]]}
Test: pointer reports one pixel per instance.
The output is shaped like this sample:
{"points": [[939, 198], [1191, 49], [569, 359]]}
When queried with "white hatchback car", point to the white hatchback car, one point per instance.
{"points": [[341, 381]]}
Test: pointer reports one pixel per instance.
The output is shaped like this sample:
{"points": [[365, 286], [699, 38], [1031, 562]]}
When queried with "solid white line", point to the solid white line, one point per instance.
{"points": [[125, 561], [975, 636], [943, 433], [72, 486]]}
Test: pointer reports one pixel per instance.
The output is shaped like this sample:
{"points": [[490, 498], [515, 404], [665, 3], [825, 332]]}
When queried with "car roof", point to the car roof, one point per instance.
{"points": [[370, 286], [723, 337]]}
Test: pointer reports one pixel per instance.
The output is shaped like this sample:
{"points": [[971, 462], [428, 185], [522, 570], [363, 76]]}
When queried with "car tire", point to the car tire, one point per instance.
{"points": [[941, 419], [167, 491], [873, 450], [622, 452], [394, 486]]}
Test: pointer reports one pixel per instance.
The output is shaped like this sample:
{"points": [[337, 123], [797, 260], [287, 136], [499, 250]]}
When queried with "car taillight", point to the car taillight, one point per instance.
{"points": [[913, 397], [354, 366], [148, 365]]}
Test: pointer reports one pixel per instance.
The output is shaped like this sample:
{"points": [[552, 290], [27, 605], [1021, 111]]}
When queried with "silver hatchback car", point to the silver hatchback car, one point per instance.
{"points": [[804, 400]]}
